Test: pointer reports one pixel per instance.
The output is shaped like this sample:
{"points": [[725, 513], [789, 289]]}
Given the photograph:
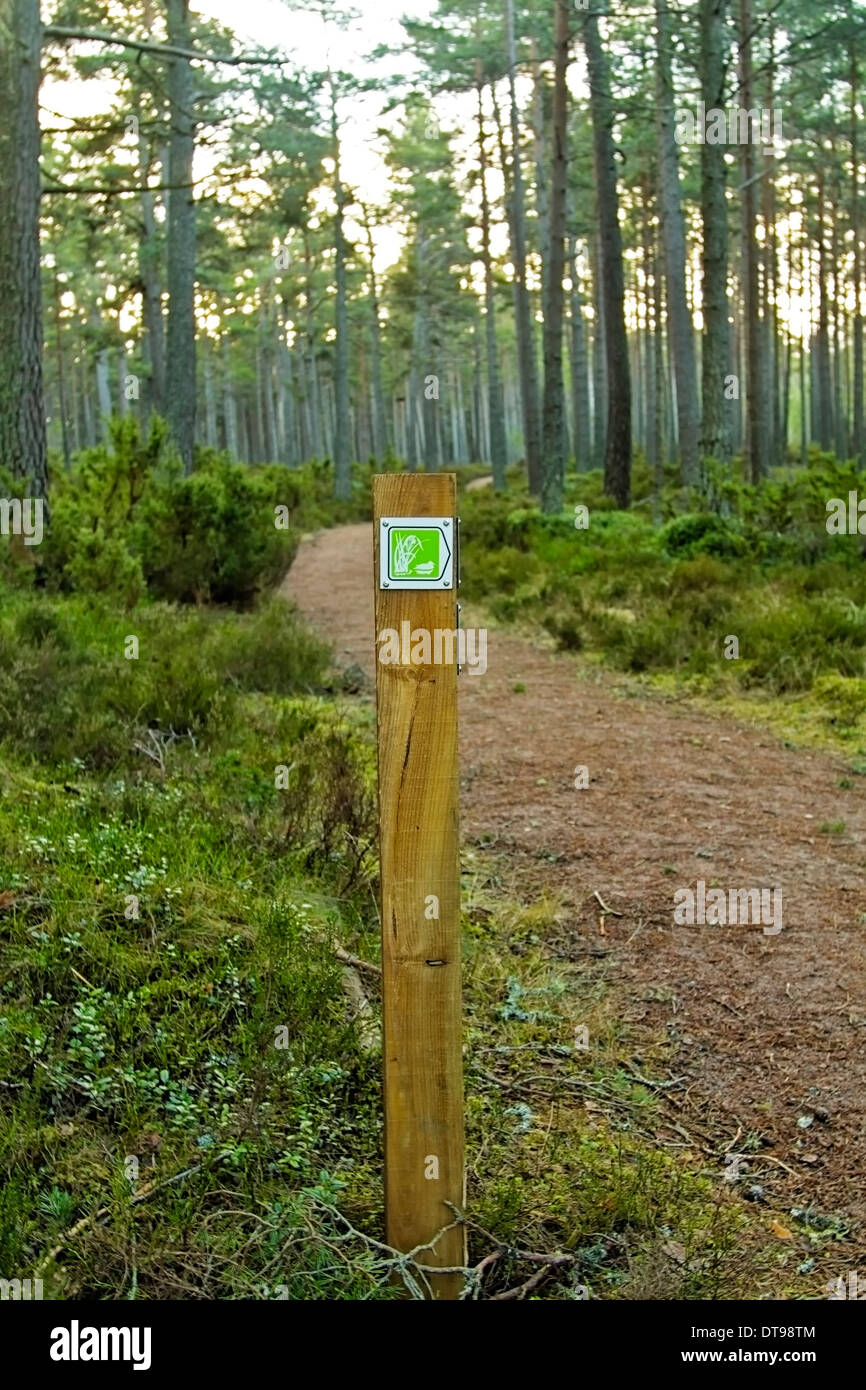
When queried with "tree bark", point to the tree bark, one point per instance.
{"points": [[342, 469], [230, 410], [180, 350], [553, 410], [757, 401], [858, 441], [527, 362], [715, 439], [381, 439], [151, 286], [680, 327], [579, 371], [617, 460], [496, 406], [22, 404]]}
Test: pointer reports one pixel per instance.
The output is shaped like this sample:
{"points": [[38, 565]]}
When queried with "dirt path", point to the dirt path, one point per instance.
{"points": [[768, 1030]]}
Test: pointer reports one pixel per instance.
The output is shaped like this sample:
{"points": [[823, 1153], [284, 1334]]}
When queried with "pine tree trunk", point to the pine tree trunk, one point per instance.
{"points": [[381, 439], [553, 408], [527, 361], [210, 407], [272, 443], [579, 371], [680, 327], [61, 375], [716, 346], [230, 413], [103, 376], [617, 461], [180, 349], [288, 431], [858, 439], [342, 469], [769, 314], [22, 405], [495, 403], [151, 291], [599, 359], [757, 391], [823, 412], [542, 202], [840, 443]]}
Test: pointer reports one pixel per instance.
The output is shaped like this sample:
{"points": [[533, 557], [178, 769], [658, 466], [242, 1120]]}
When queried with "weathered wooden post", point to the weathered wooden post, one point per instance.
{"points": [[416, 694]]}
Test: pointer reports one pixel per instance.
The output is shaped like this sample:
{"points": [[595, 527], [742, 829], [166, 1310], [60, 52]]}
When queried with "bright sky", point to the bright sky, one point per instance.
{"points": [[314, 44], [311, 44]]}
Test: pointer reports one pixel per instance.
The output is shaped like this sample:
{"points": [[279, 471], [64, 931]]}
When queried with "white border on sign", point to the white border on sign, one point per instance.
{"points": [[445, 524]]}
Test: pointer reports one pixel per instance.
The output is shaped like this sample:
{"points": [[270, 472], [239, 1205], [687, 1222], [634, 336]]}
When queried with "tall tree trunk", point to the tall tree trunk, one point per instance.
{"points": [[210, 408], [823, 412], [266, 330], [652, 328], [542, 201], [22, 404], [342, 470], [840, 441], [680, 328], [312, 393], [769, 312], [151, 287], [103, 384], [599, 357], [288, 431], [61, 374], [553, 410], [415, 446], [658, 374], [858, 439], [804, 395], [230, 410], [180, 352], [617, 460], [716, 346], [528, 364], [381, 440], [757, 399], [496, 406], [579, 370]]}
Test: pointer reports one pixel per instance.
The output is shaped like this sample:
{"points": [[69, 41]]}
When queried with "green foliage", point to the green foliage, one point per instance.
{"points": [[701, 534], [68, 692], [125, 521], [664, 599]]}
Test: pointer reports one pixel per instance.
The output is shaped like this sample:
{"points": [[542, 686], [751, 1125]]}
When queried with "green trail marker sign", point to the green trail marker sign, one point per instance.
{"points": [[416, 552]]}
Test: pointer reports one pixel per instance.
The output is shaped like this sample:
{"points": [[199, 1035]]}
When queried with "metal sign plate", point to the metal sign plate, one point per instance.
{"points": [[416, 552]]}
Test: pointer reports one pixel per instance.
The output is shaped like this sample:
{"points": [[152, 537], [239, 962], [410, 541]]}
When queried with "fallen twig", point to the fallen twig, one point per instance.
{"points": [[356, 962], [604, 907]]}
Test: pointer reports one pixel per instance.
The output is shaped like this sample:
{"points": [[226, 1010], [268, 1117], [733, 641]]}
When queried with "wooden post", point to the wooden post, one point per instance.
{"points": [[419, 849]]}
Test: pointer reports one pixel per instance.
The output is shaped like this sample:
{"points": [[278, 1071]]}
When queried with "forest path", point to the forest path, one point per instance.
{"points": [[764, 1029]]}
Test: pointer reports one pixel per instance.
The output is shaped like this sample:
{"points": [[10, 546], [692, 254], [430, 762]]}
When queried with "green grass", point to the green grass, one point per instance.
{"points": [[188, 1108]]}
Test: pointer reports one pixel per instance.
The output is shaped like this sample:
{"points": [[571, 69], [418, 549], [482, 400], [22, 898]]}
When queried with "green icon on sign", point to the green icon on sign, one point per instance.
{"points": [[416, 554]]}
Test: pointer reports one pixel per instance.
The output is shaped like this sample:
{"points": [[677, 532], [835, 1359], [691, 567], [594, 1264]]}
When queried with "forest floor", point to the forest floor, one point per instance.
{"points": [[762, 1038]]}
